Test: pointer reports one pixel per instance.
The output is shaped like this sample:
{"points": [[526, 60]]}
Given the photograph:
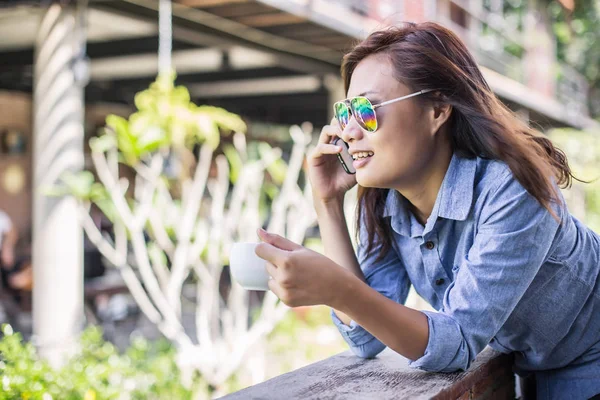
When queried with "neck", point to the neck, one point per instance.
{"points": [[422, 192]]}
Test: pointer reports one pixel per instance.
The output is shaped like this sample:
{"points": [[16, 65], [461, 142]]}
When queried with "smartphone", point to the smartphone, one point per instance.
{"points": [[345, 157]]}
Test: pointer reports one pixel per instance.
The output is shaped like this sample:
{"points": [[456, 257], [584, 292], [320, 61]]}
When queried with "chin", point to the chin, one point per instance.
{"points": [[366, 180]]}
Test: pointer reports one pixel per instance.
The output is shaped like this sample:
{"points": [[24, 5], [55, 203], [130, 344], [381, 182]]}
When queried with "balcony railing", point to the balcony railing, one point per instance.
{"points": [[388, 376]]}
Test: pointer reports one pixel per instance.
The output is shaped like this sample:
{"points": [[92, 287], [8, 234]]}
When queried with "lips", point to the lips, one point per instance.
{"points": [[361, 161]]}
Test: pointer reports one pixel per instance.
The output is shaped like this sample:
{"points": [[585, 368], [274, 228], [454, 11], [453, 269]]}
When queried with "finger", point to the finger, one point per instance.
{"points": [[273, 271], [329, 132], [278, 241], [336, 124], [275, 288], [323, 149], [271, 253]]}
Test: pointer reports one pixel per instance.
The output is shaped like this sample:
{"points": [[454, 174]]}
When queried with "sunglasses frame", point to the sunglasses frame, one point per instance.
{"points": [[348, 103]]}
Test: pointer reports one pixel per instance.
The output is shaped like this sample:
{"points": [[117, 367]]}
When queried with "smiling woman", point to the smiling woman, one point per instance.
{"points": [[458, 198]]}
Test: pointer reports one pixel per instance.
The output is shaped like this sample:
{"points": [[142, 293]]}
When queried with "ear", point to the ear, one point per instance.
{"points": [[439, 114]]}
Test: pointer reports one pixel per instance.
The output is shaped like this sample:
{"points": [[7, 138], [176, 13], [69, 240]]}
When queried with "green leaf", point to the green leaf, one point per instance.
{"points": [[276, 167], [235, 162], [126, 142], [103, 143], [223, 118], [78, 184]]}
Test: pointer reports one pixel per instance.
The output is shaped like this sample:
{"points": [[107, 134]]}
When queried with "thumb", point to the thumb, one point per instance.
{"points": [[277, 241]]}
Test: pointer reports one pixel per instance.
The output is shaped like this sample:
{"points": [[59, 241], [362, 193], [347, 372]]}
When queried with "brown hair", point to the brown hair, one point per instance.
{"points": [[429, 56]]}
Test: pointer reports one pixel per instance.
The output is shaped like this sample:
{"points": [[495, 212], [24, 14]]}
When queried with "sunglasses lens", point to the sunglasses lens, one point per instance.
{"points": [[342, 114], [364, 113]]}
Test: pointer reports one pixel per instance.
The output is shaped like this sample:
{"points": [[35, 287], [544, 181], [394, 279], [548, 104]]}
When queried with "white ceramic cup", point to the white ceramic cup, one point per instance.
{"points": [[248, 269]]}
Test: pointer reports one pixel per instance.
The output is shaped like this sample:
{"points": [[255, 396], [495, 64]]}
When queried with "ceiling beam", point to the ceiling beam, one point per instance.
{"points": [[200, 27], [209, 3], [184, 62], [255, 87]]}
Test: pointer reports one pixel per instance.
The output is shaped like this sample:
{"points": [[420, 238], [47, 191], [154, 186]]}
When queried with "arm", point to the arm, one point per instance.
{"points": [[336, 241], [386, 276], [514, 238]]}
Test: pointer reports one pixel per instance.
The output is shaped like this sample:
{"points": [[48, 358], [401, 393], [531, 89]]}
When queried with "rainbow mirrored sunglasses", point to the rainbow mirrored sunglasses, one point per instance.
{"points": [[363, 110]]}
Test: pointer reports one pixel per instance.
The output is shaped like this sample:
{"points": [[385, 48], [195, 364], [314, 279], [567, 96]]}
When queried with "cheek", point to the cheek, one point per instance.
{"points": [[402, 148], [397, 155]]}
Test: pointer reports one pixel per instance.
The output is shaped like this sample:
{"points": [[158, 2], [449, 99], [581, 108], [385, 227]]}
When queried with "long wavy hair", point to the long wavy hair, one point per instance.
{"points": [[429, 56]]}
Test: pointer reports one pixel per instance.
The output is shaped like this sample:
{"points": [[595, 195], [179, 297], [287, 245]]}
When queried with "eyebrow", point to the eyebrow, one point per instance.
{"points": [[364, 93], [367, 92]]}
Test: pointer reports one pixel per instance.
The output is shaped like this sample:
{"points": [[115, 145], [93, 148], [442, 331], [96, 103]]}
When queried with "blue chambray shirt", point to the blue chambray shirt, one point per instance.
{"points": [[498, 267]]}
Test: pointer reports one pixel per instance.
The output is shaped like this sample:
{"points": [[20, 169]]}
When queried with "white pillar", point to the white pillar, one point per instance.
{"points": [[57, 148]]}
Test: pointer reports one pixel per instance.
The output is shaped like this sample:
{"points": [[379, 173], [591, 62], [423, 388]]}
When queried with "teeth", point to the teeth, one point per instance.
{"points": [[362, 154]]}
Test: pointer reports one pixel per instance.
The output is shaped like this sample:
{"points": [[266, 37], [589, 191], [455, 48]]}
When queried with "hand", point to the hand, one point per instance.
{"points": [[327, 177], [8, 258], [301, 277]]}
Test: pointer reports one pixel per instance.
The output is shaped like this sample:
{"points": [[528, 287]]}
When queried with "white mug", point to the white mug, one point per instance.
{"points": [[248, 269]]}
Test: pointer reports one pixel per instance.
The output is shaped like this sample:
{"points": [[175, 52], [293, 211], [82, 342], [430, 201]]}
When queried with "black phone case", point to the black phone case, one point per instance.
{"points": [[345, 157]]}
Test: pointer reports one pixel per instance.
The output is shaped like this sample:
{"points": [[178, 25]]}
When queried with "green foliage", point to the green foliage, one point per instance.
{"points": [[578, 39], [305, 335], [98, 371], [583, 152], [276, 167], [165, 120], [166, 117], [578, 36]]}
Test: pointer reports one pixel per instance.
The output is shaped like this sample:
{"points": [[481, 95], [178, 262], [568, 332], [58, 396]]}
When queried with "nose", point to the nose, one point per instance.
{"points": [[352, 131]]}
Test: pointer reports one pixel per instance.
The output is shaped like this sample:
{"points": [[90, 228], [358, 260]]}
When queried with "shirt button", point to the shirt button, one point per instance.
{"points": [[429, 245], [440, 281]]}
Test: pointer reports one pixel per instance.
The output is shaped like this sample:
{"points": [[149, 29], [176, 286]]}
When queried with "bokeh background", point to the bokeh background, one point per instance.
{"points": [[140, 138]]}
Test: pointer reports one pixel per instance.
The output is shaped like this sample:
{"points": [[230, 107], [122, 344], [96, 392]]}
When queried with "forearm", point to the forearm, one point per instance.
{"points": [[402, 329], [336, 241], [335, 236]]}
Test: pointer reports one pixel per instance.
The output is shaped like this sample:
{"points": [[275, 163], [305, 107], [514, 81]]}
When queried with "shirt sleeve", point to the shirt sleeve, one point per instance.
{"points": [[514, 239], [388, 276]]}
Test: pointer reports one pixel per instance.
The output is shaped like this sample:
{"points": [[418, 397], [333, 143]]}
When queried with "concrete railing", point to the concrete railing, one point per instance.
{"points": [[388, 376]]}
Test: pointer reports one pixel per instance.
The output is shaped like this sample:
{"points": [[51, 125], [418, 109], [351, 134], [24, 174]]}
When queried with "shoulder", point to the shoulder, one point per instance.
{"points": [[490, 175], [497, 189]]}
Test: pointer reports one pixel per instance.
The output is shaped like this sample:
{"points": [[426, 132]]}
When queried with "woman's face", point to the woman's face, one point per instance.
{"points": [[405, 144]]}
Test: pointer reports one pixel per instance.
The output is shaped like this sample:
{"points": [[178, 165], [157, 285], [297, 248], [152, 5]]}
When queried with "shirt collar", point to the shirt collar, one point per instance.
{"points": [[454, 199]]}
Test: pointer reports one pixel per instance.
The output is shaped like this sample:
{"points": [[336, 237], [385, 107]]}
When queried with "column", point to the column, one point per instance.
{"points": [[58, 106]]}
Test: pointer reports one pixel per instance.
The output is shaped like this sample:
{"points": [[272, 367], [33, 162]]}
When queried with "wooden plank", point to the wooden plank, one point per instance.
{"points": [[241, 10], [258, 21], [209, 3], [335, 40], [306, 29], [388, 376]]}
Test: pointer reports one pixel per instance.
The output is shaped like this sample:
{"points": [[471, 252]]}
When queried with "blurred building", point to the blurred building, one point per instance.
{"points": [[272, 61]]}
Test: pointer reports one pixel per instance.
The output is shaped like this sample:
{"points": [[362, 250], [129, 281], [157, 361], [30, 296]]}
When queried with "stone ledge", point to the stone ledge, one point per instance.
{"points": [[388, 376]]}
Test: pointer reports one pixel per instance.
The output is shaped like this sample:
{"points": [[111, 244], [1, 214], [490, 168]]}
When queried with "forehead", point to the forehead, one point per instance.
{"points": [[375, 74]]}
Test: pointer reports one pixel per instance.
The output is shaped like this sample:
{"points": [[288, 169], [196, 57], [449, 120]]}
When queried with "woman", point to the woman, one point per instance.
{"points": [[459, 198]]}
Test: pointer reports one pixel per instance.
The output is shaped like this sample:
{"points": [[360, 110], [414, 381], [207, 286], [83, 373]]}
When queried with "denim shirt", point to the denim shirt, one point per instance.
{"points": [[499, 269]]}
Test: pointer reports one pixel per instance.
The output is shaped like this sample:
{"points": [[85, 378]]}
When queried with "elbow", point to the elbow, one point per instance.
{"points": [[368, 350], [454, 366]]}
